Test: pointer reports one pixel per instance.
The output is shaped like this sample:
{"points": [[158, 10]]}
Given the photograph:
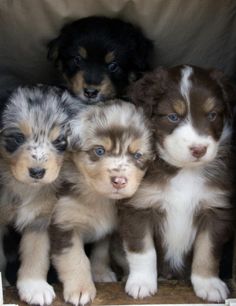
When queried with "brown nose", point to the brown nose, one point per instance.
{"points": [[198, 151], [119, 182]]}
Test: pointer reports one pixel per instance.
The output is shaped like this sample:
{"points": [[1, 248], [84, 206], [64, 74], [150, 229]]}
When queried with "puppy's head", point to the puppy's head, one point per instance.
{"points": [[33, 134], [191, 111], [112, 148], [99, 56]]}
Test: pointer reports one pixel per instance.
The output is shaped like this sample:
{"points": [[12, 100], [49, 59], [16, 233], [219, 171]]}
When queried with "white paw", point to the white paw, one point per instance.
{"points": [[104, 275], [80, 293], [34, 291], [211, 289], [139, 286]]}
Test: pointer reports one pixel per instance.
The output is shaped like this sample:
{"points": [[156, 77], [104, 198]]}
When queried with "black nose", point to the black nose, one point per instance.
{"points": [[90, 92], [37, 173]]}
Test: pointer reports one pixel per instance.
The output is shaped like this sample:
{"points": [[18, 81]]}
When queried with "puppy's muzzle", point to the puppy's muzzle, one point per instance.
{"points": [[90, 93], [198, 151], [37, 173], [119, 182]]}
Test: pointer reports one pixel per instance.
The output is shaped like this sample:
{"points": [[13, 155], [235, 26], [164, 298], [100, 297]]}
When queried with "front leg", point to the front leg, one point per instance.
{"points": [[140, 252], [100, 261], [73, 268], [32, 276], [205, 268]]}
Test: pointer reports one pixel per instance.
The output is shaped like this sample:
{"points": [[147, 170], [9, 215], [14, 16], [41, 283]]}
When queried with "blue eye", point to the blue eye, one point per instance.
{"points": [[173, 117], [113, 67], [211, 116], [138, 155], [100, 151]]}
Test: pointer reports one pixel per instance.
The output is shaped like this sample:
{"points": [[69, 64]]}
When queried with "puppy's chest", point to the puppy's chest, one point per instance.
{"points": [[183, 196]]}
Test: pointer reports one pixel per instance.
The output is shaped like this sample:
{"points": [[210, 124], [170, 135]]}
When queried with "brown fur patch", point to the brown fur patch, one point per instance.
{"points": [[109, 57], [77, 82], [209, 105], [83, 52], [180, 107], [25, 128], [54, 133]]}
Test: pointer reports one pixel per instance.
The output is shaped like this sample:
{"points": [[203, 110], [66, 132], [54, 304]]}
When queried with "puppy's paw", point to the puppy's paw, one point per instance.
{"points": [[35, 291], [103, 274], [80, 293], [211, 289], [139, 286]]}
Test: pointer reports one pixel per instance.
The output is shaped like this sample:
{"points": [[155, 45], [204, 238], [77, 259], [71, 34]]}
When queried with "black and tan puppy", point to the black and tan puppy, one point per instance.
{"points": [[182, 209], [112, 149], [33, 140], [99, 57]]}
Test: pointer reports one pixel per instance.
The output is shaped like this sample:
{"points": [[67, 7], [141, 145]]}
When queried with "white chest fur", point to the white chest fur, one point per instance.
{"points": [[182, 197]]}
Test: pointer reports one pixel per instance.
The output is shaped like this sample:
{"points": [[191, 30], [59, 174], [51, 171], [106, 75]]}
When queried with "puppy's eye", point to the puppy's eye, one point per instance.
{"points": [[99, 151], [137, 155], [13, 141], [173, 117], [212, 116], [113, 67], [77, 60], [60, 143]]}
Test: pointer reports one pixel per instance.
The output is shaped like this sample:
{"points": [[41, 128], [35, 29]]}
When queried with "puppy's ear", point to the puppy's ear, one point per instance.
{"points": [[53, 50], [228, 89], [147, 91]]}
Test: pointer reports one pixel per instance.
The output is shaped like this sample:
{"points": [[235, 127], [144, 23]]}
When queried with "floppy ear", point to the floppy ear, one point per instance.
{"points": [[53, 50], [147, 91], [228, 89]]}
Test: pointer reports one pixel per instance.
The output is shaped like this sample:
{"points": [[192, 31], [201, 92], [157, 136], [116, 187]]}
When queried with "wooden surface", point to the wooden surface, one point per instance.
{"points": [[171, 292]]}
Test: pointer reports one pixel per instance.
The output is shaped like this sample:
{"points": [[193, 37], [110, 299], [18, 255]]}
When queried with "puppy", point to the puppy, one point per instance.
{"points": [[99, 57], [33, 140], [182, 207], [112, 149]]}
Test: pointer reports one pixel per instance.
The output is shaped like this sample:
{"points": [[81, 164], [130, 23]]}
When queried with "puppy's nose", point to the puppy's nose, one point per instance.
{"points": [[198, 151], [119, 182], [37, 173], [90, 92]]}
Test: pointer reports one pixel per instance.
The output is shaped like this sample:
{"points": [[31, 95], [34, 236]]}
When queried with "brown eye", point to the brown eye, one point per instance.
{"points": [[212, 116], [77, 60], [113, 67]]}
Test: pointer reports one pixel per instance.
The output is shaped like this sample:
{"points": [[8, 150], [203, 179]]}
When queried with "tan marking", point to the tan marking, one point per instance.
{"points": [[22, 161], [25, 128], [77, 82], [179, 107], [106, 143], [107, 88], [54, 133], [83, 52], [135, 146], [109, 57], [209, 105], [34, 249]]}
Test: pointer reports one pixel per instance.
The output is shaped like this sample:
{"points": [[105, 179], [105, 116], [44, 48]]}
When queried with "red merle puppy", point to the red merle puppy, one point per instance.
{"points": [[182, 210]]}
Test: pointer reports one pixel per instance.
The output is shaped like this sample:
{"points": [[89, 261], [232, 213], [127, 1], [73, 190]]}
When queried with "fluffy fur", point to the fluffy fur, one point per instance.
{"points": [[182, 207], [99, 57], [33, 140], [111, 150]]}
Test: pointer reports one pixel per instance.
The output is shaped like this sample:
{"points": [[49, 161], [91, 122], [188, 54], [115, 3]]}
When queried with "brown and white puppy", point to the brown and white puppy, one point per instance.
{"points": [[32, 145], [112, 148], [182, 208]]}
